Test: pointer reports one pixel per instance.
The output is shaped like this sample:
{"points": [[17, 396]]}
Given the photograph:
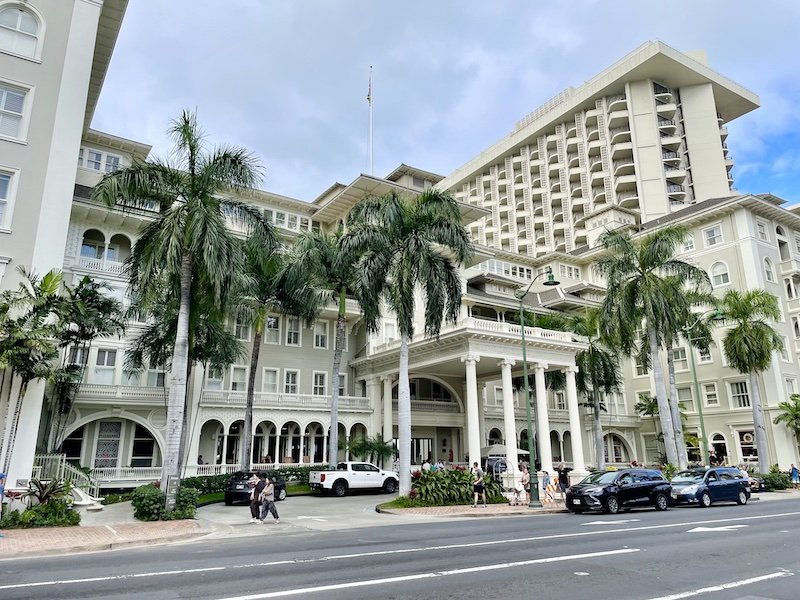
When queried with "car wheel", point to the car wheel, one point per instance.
{"points": [[282, 494], [741, 498], [661, 502], [228, 500], [339, 489], [390, 486], [705, 500], [612, 505]]}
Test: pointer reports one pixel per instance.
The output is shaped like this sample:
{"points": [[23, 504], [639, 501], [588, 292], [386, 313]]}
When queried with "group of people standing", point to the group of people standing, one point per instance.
{"points": [[521, 491], [262, 498]]}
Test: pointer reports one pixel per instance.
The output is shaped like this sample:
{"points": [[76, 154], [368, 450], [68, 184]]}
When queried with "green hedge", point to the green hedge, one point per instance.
{"points": [[148, 503], [450, 487], [53, 513], [211, 484], [777, 481]]}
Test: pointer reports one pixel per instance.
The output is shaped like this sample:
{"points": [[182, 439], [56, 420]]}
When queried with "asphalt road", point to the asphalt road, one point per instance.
{"points": [[723, 552]]}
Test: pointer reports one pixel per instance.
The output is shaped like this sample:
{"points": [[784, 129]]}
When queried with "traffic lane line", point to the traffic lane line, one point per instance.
{"points": [[429, 575], [726, 586], [396, 551]]}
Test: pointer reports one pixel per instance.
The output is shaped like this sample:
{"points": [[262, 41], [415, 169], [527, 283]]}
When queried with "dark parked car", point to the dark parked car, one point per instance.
{"points": [[238, 490], [614, 491], [704, 486]]}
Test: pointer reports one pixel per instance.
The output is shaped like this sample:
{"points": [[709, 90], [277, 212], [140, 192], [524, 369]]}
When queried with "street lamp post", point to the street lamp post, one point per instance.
{"points": [[534, 501]]}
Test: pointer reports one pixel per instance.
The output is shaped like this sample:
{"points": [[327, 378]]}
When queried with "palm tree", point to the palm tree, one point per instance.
{"points": [[408, 245], [647, 406], [638, 293], [263, 290], [321, 259], [598, 371], [749, 346], [189, 242], [790, 416]]}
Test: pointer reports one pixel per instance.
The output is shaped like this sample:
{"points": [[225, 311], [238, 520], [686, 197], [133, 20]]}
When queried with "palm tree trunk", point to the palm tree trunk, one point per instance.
{"points": [[599, 447], [333, 436], [247, 431], [758, 424], [12, 434], [404, 419], [177, 389], [675, 413], [663, 403]]}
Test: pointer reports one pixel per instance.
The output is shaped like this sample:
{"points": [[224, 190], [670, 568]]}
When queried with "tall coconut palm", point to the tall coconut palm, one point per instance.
{"points": [[598, 371], [263, 290], [647, 406], [409, 245], [635, 272], [321, 260], [189, 242], [790, 416], [749, 346]]}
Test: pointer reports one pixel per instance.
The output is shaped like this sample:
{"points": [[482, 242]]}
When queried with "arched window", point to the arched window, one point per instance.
{"points": [[719, 274], [19, 31], [769, 270]]}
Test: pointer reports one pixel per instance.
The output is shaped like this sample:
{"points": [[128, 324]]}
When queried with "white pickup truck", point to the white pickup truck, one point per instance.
{"points": [[353, 476]]}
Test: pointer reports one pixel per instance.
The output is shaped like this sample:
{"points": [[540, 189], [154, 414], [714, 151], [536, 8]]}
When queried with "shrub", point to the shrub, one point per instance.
{"points": [[116, 498], [185, 505], [148, 503], [669, 471], [776, 481], [54, 513], [450, 487]]}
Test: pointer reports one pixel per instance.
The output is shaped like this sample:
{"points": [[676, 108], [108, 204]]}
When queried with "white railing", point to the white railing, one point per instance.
{"points": [[130, 392], [55, 466], [114, 474], [273, 400], [98, 264], [431, 406]]}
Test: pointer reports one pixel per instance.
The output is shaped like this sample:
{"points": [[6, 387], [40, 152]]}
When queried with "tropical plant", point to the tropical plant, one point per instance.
{"points": [[405, 246], [790, 416], [43, 492], [321, 260], [373, 449], [265, 289], [189, 243], [640, 278], [749, 346], [647, 406]]}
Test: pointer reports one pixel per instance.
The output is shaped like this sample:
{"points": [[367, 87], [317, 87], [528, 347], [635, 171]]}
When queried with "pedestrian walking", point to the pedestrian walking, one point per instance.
{"points": [[268, 501], [548, 493], [478, 488], [256, 487], [563, 479], [795, 476]]}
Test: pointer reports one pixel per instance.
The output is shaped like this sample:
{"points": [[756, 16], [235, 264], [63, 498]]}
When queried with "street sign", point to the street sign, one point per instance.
{"points": [[171, 490]]}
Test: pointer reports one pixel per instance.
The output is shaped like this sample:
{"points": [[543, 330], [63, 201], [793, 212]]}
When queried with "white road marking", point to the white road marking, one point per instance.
{"points": [[612, 522], [418, 576], [581, 573], [725, 586], [723, 528], [410, 550], [312, 518]]}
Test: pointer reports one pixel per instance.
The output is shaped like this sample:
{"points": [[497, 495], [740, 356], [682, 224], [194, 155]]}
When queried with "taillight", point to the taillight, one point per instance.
{"points": [[322, 478]]}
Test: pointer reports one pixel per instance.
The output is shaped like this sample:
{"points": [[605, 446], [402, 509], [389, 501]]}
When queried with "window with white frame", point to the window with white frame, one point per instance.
{"points": [[389, 331], [19, 31], [784, 351], [761, 228], [703, 355], [796, 326], [688, 243], [719, 274], [685, 398], [12, 109], [791, 290], [498, 396], [747, 444], [156, 376], [559, 400], [641, 369], [342, 384], [214, 379], [713, 235], [791, 385], [740, 397], [241, 330], [319, 385], [238, 379], [78, 355], [97, 160], [679, 359], [710, 395], [112, 163], [292, 331], [7, 180], [272, 330], [290, 379], [769, 270], [269, 381], [129, 376], [105, 366], [321, 334]]}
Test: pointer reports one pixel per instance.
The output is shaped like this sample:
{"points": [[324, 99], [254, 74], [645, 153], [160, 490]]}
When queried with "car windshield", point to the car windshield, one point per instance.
{"points": [[606, 477], [687, 476]]}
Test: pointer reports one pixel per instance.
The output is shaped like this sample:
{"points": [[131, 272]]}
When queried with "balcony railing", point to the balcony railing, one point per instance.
{"points": [[129, 392], [103, 266], [276, 400], [674, 188]]}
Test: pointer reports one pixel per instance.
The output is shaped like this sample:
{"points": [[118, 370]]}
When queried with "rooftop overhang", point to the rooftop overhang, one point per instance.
{"points": [[652, 60], [138, 150], [405, 169], [107, 31]]}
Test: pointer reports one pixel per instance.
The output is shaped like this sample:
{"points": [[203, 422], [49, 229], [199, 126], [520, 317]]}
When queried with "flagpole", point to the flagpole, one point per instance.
{"points": [[371, 147]]}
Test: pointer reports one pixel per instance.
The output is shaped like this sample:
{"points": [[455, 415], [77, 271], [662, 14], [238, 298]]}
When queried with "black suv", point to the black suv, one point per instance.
{"points": [[614, 491], [238, 490]]}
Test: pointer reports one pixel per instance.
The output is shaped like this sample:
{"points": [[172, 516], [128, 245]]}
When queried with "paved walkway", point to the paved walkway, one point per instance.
{"points": [[115, 527]]}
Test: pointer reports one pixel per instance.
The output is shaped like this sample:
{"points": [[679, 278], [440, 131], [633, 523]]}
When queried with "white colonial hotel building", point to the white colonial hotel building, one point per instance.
{"points": [[639, 145]]}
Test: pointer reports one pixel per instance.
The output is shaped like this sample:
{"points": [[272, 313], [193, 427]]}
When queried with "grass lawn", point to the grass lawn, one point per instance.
{"points": [[211, 498]]}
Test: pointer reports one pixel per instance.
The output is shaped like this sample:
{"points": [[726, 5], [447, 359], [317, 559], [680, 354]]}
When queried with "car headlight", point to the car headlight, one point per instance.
{"points": [[692, 489]]}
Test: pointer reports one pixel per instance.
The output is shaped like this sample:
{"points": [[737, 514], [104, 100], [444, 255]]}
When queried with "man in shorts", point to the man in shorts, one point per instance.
{"points": [[478, 487]]}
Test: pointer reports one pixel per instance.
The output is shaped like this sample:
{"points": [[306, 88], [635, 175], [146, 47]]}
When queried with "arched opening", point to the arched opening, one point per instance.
{"points": [[720, 447], [233, 447], [495, 436], [616, 451], [566, 447], [93, 245], [119, 248], [111, 444], [212, 439], [555, 446], [341, 451], [314, 443], [289, 443], [357, 433], [264, 438], [783, 245], [19, 31], [72, 446]]}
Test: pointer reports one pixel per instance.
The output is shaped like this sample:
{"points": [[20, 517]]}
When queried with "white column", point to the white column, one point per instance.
{"points": [[388, 429], [302, 445], [373, 385], [543, 419], [482, 415], [575, 428], [509, 421], [473, 432]]}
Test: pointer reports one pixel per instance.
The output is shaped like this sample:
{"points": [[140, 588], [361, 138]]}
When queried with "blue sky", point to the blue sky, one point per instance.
{"points": [[287, 79]]}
